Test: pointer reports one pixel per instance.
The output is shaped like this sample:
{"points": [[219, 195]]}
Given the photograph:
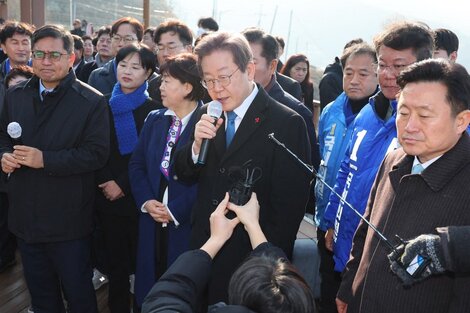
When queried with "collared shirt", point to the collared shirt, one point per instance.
{"points": [[42, 88], [242, 108], [425, 164], [184, 123], [240, 111]]}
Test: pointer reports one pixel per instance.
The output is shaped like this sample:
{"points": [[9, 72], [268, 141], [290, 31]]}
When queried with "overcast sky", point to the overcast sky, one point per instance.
{"points": [[321, 28]]}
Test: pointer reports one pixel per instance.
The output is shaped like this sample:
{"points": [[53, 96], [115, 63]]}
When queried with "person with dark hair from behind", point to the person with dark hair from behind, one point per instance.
{"points": [[282, 45], [79, 48], [104, 53], [57, 162], [418, 187], [266, 282], [114, 204], [18, 75], [289, 85], [206, 25], [331, 83], [446, 44], [298, 68]]}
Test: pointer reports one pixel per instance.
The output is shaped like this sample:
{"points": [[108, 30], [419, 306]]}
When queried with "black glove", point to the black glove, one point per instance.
{"points": [[417, 259]]}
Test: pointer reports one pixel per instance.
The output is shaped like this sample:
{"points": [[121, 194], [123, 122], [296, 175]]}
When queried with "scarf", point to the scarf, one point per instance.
{"points": [[122, 106]]}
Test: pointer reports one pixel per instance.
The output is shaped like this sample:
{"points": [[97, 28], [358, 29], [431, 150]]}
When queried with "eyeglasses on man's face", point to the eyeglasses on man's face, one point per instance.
{"points": [[394, 68], [170, 49], [126, 39], [222, 80], [51, 55]]}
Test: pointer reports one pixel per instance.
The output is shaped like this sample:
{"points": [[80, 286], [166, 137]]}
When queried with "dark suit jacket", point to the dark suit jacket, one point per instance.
{"points": [[282, 189], [409, 205], [85, 73], [71, 128], [117, 168], [291, 86], [146, 178]]}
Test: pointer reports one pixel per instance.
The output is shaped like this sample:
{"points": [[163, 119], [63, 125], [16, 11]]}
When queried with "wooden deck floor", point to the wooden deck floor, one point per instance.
{"points": [[14, 295]]}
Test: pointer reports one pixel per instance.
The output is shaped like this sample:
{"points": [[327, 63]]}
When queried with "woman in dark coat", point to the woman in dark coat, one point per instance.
{"points": [[164, 202], [117, 214]]}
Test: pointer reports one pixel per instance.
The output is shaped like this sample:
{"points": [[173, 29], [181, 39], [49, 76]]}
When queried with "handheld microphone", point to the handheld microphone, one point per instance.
{"points": [[14, 131], [414, 268], [214, 109]]}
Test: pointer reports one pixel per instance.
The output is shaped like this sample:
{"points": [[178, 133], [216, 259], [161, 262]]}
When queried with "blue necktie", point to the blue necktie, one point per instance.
{"points": [[417, 169], [230, 131]]}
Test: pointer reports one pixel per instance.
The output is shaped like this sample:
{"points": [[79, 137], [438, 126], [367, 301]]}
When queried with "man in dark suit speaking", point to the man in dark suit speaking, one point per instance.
{"points": [[240, 140]]}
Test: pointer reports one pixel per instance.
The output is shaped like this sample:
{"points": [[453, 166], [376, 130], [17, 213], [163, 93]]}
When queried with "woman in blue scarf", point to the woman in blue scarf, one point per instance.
{"points": [[117, 214], [165, 203]]}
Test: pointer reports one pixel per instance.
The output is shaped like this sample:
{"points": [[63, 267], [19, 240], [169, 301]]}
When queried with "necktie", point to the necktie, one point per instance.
{"points": [[417, 169], [171, 139], [43, 94], [230, 131]]}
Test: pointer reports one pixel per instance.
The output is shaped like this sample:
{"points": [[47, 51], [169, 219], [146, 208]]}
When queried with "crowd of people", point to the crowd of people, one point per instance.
{"points": [[144, 159]]}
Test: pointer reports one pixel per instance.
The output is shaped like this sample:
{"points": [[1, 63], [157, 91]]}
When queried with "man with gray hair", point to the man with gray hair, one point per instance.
{"points": [[240, 145]]}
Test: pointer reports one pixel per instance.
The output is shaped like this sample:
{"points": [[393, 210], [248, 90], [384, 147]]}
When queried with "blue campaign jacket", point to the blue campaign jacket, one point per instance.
{"points": [[333, 138], [370, 141], [145, 178]]}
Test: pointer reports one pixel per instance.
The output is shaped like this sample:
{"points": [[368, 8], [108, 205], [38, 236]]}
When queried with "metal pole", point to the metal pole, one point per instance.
{"points": [[146, 13], [274, 19], [288, 35]]}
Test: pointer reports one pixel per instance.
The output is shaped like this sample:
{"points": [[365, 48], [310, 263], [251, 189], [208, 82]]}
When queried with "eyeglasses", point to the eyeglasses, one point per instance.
{"points": [[126, 39], [52, 55], [107, 40], [223, 80], [170, 49], [394, 68]]}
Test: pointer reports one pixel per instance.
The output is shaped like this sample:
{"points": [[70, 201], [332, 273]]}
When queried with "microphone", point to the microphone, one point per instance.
{"points": [[214, 109], [14, 131]]}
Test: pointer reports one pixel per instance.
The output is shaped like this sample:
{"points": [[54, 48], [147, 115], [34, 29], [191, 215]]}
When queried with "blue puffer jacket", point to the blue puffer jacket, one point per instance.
{"points": [[370, 141], [333, 138]]}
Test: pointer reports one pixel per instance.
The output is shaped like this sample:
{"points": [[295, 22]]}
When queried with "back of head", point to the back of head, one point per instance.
{"points": [[268, 43], [454, 76], [13, 27], [236, 44], [446, 39], [265, 284], [77, 42], [208, 23], [174, 26], [407, 35]]}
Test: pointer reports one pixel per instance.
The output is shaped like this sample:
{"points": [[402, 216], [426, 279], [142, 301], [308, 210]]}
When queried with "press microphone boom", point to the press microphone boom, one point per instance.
{"points": [[214, 109], [312, 171]]}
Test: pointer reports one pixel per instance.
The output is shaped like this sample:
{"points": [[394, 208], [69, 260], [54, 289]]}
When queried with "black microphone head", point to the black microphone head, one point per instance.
{"points": [[214, 109], [14, 130]]}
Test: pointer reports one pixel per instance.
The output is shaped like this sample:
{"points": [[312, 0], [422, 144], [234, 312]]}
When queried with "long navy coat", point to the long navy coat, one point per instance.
{"points": [[145, 178]]}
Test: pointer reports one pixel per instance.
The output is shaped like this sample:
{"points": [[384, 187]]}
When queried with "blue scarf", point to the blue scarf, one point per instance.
{"points": [[122, 106]]}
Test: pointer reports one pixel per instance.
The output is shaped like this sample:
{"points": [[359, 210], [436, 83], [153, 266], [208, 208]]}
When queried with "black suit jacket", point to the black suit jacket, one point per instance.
{"points": [[291, 86], [71, 128], [282, 189], [117, 168]]}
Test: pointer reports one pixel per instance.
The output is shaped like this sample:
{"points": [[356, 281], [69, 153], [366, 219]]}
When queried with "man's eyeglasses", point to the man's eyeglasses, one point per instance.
{"points": [[170, 49], [223, 80], [103, 40], [126, 39], [394, 68], [52, 55]]}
